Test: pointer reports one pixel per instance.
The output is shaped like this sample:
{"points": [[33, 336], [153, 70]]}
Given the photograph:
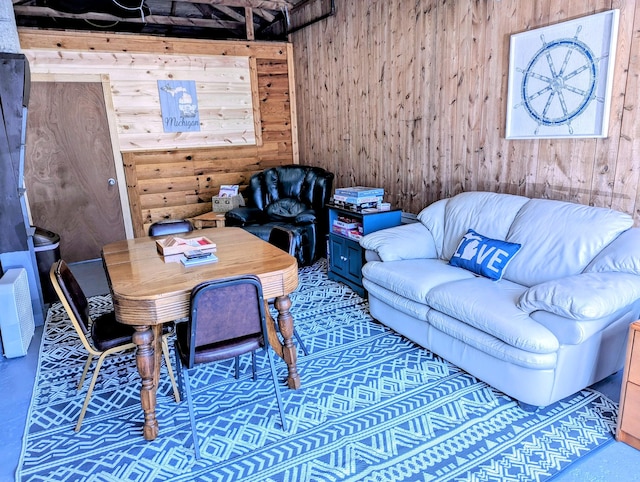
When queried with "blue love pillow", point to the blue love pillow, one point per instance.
{"points": [[484, 256]]}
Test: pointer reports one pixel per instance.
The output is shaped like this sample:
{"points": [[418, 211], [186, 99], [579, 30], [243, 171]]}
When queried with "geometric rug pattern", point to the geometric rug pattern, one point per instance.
{"points": [[373, 407]]}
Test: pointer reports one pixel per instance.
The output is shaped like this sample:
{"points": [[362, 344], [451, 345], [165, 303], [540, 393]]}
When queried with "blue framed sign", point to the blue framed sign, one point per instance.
{"points": [[560, 79], [179, 105]]}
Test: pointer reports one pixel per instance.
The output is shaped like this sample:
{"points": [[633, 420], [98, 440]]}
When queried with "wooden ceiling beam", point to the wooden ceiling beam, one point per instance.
{"points": [[268, 16], [248, 13], [265, 4], [229, 12], [148, 19]]}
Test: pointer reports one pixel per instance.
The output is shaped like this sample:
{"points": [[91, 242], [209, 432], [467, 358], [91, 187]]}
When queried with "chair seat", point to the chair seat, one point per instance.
{"points": [[107, 333], [216, 351]]}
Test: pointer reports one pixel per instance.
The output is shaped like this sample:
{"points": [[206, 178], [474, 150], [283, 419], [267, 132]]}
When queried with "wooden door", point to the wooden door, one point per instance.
{"points": [[69, 168]]}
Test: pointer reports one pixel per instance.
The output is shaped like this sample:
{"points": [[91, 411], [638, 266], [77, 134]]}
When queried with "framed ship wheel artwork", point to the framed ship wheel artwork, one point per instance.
{"points": [[560, 79]]}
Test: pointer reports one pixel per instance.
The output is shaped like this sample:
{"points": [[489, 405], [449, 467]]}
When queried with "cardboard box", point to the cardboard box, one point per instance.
{"points": [[224, 204]]}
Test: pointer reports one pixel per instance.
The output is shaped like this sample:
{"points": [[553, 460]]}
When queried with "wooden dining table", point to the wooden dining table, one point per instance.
{"points": [[149, 289]]}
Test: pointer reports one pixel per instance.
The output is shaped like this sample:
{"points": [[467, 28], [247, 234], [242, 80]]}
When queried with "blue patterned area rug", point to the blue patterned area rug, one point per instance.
{"points": [[373, 407]]}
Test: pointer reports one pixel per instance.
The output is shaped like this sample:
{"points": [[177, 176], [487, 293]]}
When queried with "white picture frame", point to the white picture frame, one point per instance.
{"points": [[560, 79]]}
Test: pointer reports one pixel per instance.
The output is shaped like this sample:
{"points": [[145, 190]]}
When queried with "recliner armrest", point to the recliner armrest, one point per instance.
{"points": [[242, 215], [306, 217]]}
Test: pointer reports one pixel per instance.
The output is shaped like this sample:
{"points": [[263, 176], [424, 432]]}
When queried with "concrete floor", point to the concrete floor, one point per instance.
{"points": [[614, 462]]}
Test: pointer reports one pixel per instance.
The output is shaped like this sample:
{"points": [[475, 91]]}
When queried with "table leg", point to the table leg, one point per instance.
{"points": [[289, 354], [145, 361]]}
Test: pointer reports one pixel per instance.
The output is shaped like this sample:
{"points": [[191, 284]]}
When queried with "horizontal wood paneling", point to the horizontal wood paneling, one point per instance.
{"points": [[179, 182], [223, 87], [412, 97]]}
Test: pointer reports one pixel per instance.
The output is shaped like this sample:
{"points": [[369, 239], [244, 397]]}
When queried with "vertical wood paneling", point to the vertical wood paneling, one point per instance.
{"points": [[411, 96], [627, 174]]}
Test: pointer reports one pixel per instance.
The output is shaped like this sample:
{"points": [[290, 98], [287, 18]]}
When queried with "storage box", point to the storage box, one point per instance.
{"points": [[175, 245], [224, 204]]}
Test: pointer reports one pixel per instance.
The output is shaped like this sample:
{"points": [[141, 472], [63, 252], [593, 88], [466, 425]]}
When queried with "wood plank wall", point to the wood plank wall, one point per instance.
{"points": [[411, 96], [179, 183]]}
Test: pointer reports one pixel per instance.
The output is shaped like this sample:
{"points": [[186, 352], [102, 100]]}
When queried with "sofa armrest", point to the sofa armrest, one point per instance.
{"points": [[583, 297], [408, 241], [242, 215]]}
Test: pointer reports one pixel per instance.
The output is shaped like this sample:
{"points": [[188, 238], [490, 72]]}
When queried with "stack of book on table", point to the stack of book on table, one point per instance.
{"points": [[190, 251], [196, 256], [357, 198]]}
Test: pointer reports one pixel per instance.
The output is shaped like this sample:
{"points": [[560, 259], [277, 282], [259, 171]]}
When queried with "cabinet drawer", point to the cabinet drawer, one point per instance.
{"points": [[630, 415]]}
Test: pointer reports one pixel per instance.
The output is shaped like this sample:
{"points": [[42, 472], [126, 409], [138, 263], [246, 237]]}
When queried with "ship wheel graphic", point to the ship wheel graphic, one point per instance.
{"points": [[559, 82]]}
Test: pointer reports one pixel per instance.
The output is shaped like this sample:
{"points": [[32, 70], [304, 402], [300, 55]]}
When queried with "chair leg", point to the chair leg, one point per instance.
{"points": [[300, 343], [180, 379], [85, 371], [192, 418], [277, 389], [253, 365], [237, 367], [165, 352], [90, 391]]}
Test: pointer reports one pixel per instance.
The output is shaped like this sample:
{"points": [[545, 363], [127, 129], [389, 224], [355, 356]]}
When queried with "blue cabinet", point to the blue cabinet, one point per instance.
{"points": [[346, 257]]}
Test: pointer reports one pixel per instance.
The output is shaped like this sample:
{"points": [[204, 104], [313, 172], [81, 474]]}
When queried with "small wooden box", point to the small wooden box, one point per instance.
{"points": [[176, 245], [224, 204]]}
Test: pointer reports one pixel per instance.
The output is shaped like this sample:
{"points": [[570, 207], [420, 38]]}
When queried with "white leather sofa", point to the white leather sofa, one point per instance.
{"points": [[553, 324]]}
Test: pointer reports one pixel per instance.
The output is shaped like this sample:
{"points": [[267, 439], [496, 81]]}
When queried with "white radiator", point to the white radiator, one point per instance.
{"points": [[16, 313]]}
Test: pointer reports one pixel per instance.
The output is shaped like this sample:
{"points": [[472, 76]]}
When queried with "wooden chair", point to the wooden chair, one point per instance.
{"points": [[227, 319], [101, 336], [284, 239]]}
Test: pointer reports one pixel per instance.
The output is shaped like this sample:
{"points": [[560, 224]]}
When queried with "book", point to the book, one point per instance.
{"points": [[211, 258], [228, 190], [345, 223], [175, 245], [357, 200], [359, 191]]}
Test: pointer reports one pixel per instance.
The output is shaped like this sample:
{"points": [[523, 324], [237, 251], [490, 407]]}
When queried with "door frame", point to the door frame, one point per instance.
{"points": [[111, 121]]}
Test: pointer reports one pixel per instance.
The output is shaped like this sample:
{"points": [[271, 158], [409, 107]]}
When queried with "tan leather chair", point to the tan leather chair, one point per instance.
{"points": [[101, 336]]}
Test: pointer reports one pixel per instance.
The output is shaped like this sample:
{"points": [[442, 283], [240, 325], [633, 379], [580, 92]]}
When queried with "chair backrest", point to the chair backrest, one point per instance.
{"points": [[170, 226], [73, 299], [227, 314]]}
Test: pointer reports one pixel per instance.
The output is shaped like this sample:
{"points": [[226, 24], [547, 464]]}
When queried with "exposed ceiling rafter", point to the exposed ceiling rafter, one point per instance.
{"points": [[210, 19]]}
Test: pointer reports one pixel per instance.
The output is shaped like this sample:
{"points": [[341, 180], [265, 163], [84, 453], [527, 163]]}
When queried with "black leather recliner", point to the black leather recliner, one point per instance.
{"points": [[293, 197]]}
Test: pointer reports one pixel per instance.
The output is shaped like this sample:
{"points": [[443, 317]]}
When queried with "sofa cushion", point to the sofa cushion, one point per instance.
{"points": [[486, 212], [559, 239], [412, 279], [490, 306], [484, 256], [399, 303], [486, 343]]}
